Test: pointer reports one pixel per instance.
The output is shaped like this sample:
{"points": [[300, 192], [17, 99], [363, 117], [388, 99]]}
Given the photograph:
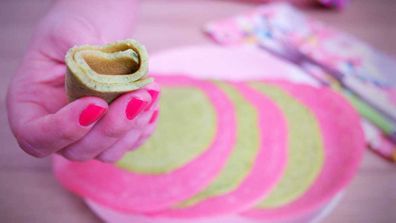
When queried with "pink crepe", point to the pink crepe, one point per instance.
{"points": [[127, 191], [343, 142], [266, 170]]}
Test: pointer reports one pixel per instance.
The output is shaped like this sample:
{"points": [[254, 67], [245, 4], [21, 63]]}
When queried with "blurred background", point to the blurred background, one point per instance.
{"points": [[28, 191]]}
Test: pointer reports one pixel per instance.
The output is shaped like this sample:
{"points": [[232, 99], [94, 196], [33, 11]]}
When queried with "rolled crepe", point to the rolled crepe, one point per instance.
{"points": [[106, 71]]}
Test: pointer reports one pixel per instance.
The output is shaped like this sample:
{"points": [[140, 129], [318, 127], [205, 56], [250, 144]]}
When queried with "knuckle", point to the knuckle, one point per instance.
{"points": [[32, 150], [107, 159], [115, 131], [75, 156], [147, 134], [111, 156], [143, 120], [33, 147], [69, 134]]}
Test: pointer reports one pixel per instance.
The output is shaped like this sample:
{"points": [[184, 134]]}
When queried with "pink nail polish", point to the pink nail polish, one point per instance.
{"points": [[154, 117], [134, 107], [91, 114], [154, 95]]}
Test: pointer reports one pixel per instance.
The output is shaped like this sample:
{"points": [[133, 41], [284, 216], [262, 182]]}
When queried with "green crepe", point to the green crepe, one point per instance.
{"points": [[243, 155], [186, 127], [305, 148]]}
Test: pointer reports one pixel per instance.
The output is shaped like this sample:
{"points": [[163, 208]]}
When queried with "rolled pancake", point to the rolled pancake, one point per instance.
{"points": [[127, 190], [106, 71], [305, 147], [344, 146], [254, 166]]}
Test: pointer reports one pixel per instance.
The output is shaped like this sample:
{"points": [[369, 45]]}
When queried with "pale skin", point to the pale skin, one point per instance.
{"points": [[42, 119]]}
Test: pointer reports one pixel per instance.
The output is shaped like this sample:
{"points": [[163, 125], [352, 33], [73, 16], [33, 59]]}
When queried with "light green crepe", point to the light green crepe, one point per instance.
{"points": [[186, 128], [305, 148], [243, 155]]}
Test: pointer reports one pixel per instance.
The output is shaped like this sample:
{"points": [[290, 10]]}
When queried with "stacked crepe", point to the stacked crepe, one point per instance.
{"points": [[247, 151]]}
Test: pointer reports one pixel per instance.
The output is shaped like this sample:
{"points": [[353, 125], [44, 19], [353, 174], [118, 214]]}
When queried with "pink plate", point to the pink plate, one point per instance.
{"points": [[112, 216]]}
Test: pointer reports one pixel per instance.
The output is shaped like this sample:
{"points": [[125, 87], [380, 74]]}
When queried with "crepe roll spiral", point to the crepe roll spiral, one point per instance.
{"points": [[106, 71]]}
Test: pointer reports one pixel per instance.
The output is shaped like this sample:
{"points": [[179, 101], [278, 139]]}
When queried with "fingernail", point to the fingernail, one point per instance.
{"points": [[154, 95], [154, 116], [134, 107], [91, 114]]}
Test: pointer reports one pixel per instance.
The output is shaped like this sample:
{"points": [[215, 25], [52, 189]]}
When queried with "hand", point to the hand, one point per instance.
{"points": [[88, 128]]}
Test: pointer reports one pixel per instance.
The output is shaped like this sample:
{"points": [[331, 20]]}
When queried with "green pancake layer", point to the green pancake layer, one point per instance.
{"points": [[186, 128], [305, 148], [243, 155]]}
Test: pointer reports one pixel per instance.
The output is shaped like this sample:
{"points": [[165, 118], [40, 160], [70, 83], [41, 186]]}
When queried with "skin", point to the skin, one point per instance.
{"points": [[40, 116]]}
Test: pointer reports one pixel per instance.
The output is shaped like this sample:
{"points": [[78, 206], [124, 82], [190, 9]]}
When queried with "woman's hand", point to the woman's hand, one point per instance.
{"points": [[39, 114]]}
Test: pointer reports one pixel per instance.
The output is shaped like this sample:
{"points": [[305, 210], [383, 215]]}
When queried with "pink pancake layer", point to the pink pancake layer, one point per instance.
{"points": [[266, 170], [126, 191], [344, 145]]}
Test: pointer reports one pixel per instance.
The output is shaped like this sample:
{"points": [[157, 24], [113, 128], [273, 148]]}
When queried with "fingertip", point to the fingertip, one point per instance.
{"points": [[154, 117], [153, 86], [154, 91], [134, 108], [130, 104], [91, 114], [140, 94], [85, 101], [90, 110]]}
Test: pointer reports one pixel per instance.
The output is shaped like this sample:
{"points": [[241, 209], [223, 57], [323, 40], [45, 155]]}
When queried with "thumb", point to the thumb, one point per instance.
{"points": [[57, 33]]}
